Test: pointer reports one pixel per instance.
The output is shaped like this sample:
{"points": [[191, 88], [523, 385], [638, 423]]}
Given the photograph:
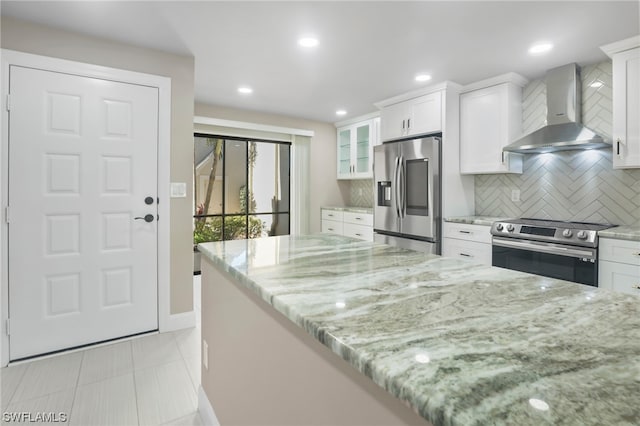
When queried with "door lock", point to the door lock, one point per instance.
{"points": [[148, 200], [147, 218]]}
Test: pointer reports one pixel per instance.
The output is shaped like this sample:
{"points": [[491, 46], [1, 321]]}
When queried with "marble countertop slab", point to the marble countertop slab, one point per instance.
{"points": [[631, 233], [461, 343], [474, 220], [364, 210]]}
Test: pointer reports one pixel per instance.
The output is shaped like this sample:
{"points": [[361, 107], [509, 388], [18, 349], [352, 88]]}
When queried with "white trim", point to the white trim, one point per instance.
{"points": [[510, 77], [10, 57], [446, 85], [355, 120], [207, 415], [180, 321], [198, 119], [620, 46]]}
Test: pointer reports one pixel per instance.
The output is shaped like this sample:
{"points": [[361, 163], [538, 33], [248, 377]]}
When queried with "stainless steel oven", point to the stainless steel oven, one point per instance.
{"points": [[556, 249]]}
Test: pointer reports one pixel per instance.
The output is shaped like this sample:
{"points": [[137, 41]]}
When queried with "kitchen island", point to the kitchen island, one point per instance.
{"points": [[456, 342]]}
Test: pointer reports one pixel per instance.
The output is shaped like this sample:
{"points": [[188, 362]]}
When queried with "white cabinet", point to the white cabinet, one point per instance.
{"points": [[347, 223], [355, 150], [491, 118], [417, 116], [463, 241], [626, 102], [619, 265]]}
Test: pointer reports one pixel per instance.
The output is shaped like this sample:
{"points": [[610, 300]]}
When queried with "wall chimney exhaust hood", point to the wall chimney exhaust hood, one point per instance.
{"points": [[564, 129]]}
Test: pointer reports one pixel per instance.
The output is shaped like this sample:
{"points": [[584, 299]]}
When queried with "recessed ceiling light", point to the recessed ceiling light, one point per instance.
{"points": [[341, 112], [308, 42], [423, 77], [540, 48], [245, 90]]}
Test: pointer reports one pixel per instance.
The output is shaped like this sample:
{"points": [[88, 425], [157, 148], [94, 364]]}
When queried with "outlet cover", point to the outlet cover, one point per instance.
{"points": [[205, 354], [515, 195]]}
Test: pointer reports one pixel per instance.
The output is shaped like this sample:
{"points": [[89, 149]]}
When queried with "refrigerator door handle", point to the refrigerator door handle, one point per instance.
{"points": [[403, 189], [430, 193], [396, 189]]}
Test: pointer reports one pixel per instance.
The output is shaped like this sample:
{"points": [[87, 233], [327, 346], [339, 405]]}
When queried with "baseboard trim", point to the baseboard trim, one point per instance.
{"points": [[180, 321], [205, 409]]}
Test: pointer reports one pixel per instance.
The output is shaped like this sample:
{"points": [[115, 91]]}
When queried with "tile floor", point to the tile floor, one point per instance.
{"points": [[149, 380]]}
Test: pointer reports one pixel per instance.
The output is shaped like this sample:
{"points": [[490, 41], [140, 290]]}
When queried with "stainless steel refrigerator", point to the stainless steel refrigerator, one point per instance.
{"points": [[407, 194]]}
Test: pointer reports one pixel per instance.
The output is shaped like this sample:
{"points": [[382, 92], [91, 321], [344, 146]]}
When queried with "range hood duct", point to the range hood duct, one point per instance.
{"points": [[564, 130]]}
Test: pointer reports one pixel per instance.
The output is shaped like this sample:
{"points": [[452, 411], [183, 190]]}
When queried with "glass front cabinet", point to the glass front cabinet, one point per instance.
{"points": [[355, 149]]}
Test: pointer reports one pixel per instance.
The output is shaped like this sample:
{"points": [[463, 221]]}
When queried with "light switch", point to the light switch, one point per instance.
{"points": [[178, 190]]}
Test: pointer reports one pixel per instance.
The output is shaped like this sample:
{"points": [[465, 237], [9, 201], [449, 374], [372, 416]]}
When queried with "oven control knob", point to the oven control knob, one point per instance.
{"points": [[567, 233], [499, 227], [510, 228], [582, 235]]}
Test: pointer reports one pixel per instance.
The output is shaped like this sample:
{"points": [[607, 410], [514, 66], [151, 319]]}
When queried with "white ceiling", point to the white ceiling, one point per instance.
{"points": [[368, 51]]}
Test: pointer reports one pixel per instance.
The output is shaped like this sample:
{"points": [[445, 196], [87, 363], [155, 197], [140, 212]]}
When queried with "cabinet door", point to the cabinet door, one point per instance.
{"points": [[626, 109], [619, 277], [344, 153], [487, 120], [393, 121], [425, 114], [362, 151]]}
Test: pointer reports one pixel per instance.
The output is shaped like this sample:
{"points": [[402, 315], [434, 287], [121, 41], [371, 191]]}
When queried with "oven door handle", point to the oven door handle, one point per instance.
{"points": [[549, 248]]}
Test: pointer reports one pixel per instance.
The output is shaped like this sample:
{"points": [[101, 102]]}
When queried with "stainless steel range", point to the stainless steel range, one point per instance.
{"points": [[556, 249]]}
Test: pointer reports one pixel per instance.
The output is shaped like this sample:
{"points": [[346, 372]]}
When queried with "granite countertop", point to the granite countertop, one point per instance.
{"points": [[368, 210], [631, 233], [461, 343], [473, 220]]}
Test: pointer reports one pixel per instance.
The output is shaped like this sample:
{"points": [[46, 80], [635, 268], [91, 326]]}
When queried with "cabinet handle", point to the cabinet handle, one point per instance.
{"points": [[408, 123], [330, 229], [502, 157], [359, 235], [330, 215], [465, 255], [465, 232], [403, 125], [618, 148], [359, 218]]}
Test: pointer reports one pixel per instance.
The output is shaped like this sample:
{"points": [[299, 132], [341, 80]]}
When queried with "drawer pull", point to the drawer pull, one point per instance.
{"points": [[330, 215], [359, 235], [331, 229], [466, 255], [359, 218], [465, 232]]}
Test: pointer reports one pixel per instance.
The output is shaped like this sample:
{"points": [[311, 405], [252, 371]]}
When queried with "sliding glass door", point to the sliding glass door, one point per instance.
{"points": [[241, 188]]}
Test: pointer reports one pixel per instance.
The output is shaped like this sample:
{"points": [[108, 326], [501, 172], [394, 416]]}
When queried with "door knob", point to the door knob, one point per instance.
{"points": [[148, 200], [147, 218]]}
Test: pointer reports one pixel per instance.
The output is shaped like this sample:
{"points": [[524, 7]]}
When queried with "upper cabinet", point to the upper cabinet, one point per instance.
{"points": [[355, 148], [626, 102], [491, 118], [416, 116]]}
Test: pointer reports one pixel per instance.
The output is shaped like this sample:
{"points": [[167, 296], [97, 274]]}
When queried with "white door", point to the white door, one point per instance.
{"points": [[82, 161]]}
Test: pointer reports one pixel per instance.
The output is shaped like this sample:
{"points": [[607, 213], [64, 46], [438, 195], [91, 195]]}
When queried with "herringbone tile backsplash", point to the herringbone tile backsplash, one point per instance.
{"points": [[362, 193], [570, 185]]}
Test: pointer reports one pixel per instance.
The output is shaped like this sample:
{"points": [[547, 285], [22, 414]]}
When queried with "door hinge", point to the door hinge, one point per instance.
{"points": [[8, 327], [6, 214], [8, 102]]}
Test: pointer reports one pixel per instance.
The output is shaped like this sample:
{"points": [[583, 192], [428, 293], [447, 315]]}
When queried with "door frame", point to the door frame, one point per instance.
{"points": [[163, 84]]}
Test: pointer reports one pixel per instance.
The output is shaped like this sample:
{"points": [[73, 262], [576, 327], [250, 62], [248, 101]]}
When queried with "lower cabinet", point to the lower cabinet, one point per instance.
{"points": [[471, 242], [349, 224], [619, 265]]}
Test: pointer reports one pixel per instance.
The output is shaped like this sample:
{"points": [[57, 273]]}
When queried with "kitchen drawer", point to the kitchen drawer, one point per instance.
{"points": [[358, 218], [623, 251], [332, 214], [470, 250], [619, 277], [362, 232], [477, 233], [332, 227]]}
